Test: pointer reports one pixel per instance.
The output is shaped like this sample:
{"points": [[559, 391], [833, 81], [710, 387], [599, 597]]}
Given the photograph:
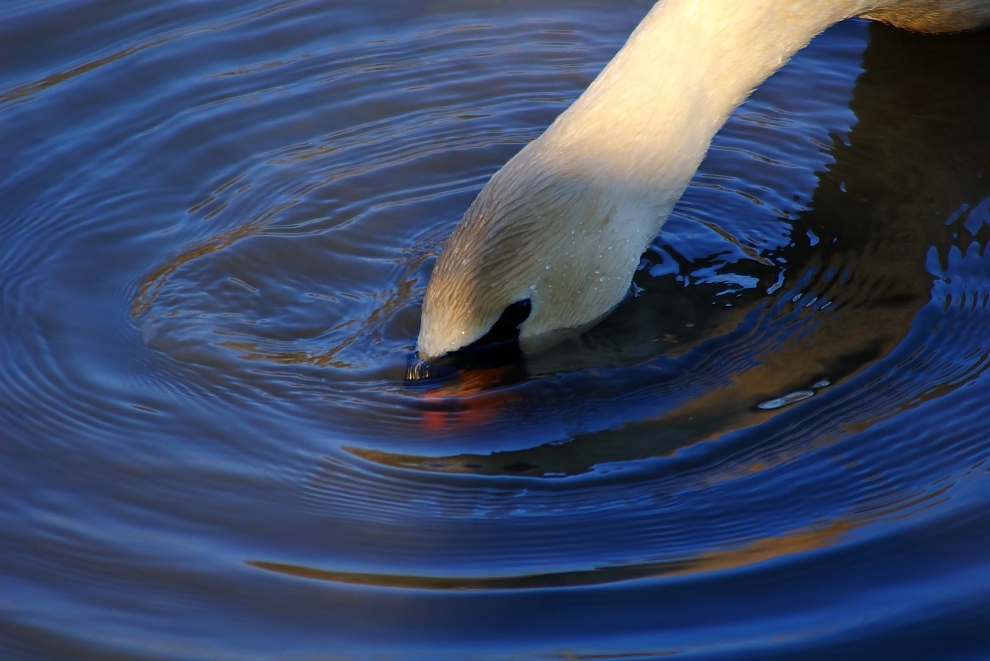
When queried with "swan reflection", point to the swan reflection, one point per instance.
{"points": [[855, 274]]}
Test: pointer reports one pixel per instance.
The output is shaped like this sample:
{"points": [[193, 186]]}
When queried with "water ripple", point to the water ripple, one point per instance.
{"points": [[218, 224]]}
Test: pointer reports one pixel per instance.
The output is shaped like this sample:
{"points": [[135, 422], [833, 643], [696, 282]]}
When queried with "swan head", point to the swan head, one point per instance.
{"points": [[564, 223], [542, 231]]}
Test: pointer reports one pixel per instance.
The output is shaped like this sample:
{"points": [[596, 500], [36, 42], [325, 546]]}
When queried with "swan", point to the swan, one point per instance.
{"points": [[563, 224]]}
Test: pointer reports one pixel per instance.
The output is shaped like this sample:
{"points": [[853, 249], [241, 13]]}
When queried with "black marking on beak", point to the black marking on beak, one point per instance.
{"points": [[506, 329], [498, 348]]}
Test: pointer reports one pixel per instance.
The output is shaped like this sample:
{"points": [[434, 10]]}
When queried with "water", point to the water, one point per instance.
{"points": [[217, 224]]}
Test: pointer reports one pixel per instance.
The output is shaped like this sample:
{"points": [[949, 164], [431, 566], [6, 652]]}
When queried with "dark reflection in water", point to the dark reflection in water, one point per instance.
{"points": [[859, 255], [216, 229]]}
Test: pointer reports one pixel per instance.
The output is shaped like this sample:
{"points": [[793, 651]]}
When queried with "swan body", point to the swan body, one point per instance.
{"points": [[564, 222]]}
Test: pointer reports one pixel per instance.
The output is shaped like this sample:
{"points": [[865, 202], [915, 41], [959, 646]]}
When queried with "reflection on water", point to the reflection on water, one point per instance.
{"points": [[759, 550], [218, 223], [858, 255]]}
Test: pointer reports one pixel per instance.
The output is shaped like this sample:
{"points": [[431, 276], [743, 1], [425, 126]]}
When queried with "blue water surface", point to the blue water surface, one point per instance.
{"points": [[217, 222]]}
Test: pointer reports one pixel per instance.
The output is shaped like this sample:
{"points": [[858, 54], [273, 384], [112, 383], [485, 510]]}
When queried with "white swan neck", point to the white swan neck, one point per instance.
{"points": [[656, 106], [565, 222]]}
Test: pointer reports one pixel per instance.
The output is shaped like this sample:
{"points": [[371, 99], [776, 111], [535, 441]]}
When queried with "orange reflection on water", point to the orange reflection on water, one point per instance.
{"points": [[470, 399], [757, 551], [801, 540]]}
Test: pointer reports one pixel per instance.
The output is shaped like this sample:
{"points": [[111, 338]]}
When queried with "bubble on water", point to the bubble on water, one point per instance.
{"points": [[779, 402]]}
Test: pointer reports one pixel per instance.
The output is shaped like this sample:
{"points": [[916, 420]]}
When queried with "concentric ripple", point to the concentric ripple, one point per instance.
{"points": [[217, 225]]}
